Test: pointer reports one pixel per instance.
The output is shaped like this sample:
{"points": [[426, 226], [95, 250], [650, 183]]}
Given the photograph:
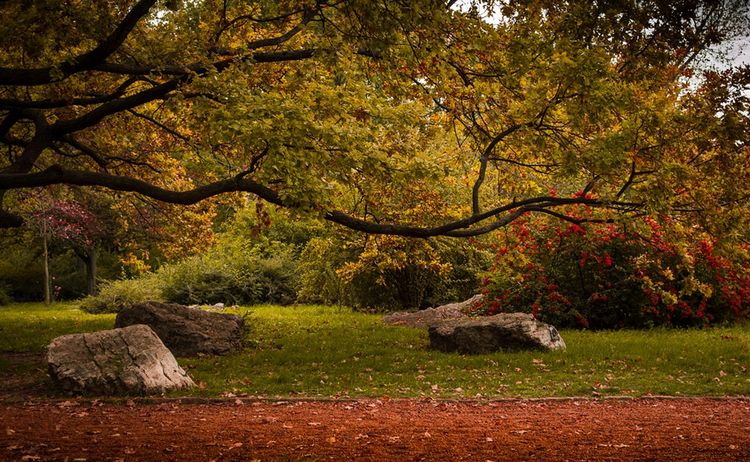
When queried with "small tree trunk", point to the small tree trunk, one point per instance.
{"points": [[47, 289], [91, 271]]}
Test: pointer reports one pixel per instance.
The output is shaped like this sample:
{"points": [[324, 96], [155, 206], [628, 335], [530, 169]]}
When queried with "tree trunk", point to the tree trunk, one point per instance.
{"points": [[47, 291], [91, 271]]}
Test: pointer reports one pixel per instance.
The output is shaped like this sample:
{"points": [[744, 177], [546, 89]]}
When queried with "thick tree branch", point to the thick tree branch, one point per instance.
{"points": [[45, 75], [31, 152], [463, 227], [95, 116], [457, 228], [307, 16], [56, 103], [200, 69], [59, 175]]}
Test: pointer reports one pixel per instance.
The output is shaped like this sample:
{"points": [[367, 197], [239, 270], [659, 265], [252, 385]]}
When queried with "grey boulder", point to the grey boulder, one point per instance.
{"points": [[505, 331], [187, 331], [131, 360], [430, 316]]}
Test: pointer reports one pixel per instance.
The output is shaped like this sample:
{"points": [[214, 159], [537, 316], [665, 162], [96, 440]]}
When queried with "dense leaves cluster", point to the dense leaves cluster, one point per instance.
{"points": [[615, 275]]}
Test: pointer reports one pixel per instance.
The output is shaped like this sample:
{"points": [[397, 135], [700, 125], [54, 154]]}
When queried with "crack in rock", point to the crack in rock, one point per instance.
{"points": [[129, 360]]}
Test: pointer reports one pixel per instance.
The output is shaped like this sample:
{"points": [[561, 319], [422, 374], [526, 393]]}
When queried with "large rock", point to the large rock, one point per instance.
{"points": [[184, 330], [131, 360], [506, 331], [430, 316]]}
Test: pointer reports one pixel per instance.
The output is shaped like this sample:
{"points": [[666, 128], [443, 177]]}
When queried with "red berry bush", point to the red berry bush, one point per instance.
{"points": [[606, 276]]}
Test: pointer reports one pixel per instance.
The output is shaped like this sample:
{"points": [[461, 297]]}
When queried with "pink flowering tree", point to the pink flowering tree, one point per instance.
{"points": [[72, 223]]}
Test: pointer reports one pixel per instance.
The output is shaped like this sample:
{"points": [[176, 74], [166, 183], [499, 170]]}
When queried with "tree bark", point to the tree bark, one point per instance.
{"points": [[47, 291], [91, 288]]}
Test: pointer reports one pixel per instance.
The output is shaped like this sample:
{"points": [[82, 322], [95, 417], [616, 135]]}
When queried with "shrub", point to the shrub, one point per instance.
{"points": [[233, 275], [389, 273], [113, 295], [606, 276], [319, 282]]}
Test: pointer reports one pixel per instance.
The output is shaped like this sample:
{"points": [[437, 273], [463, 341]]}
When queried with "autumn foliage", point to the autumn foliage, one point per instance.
{"points": [[631, 274]]}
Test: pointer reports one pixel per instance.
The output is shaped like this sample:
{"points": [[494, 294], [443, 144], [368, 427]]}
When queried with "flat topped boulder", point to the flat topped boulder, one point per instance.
{"points": [[187, 331], [505, 331], [430, 316], [132, 360]]}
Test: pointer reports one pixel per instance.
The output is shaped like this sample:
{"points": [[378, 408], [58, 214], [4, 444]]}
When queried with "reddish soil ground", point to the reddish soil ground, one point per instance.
{"points": [[377, 430]]}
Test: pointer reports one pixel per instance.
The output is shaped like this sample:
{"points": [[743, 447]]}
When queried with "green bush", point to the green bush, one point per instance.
{"points": [[320, 283], [113, 295], [242, 268], [373, 288], [234, 275]]}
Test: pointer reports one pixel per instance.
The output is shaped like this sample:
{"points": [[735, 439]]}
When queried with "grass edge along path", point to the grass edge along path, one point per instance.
{"points": [[320, 352]]}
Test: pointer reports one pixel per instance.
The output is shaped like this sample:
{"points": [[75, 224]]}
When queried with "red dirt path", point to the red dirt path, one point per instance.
{"points": [[403, 430]]}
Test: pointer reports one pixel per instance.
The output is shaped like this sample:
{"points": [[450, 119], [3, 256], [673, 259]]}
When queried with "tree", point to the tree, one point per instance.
{"points": [[135, 235], [303, 103], [66, 220]]}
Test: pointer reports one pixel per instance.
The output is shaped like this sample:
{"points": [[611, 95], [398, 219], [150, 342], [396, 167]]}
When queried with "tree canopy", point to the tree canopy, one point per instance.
{"points": [[418, 118]]}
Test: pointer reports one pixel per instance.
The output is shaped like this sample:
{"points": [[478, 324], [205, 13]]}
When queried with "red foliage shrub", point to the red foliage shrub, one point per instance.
{"points": [[608, 276]]}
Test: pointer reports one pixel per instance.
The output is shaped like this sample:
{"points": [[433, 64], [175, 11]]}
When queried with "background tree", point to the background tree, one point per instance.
{"points": [[67, 220]]}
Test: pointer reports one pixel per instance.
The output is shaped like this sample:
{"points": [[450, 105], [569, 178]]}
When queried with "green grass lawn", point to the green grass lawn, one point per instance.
{"points": [[317, 351]]}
